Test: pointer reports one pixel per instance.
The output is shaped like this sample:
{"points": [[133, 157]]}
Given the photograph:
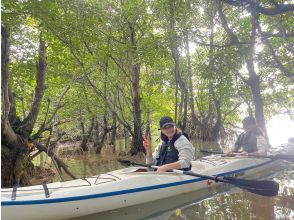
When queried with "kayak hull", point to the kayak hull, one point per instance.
{"points": [[120, 188], [64, 210]]}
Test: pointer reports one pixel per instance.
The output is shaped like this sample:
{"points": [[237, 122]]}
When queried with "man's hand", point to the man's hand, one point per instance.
{"points": [[231, 153], [147, 145], [244, 153], [162, 168]]}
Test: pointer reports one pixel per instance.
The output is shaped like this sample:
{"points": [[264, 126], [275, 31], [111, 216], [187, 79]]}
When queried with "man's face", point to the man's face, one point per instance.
{"points": [[169, 131], [248, 127]]}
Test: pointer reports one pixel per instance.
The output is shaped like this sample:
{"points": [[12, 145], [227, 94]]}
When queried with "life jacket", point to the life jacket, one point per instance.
{"points": [[168, 152], [248, 141]]}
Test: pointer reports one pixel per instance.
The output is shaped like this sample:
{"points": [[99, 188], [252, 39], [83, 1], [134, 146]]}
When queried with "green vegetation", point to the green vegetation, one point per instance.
{"points": [[113, 68]]}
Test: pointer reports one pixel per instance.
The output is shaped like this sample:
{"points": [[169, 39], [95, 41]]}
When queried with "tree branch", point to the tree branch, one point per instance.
{"points": [[28, 124], [279, 64], [224, 45], [57, 105], [51, 154], [252, 5], [109, 104], [232, 35], [268, 34]]}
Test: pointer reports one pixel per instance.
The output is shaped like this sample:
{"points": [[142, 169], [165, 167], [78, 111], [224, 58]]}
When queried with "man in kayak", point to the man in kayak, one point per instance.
{"points": [[252, 141], [175, 151]]}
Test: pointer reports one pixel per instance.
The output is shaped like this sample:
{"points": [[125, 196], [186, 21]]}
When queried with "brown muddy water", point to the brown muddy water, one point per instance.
{"points": [[220, 202]]}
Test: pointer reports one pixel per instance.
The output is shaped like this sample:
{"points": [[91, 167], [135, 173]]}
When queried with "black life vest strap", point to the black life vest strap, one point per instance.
{"points": [[165, 145], [14, 189], [47, 194], [162, 154], [187, 169]]}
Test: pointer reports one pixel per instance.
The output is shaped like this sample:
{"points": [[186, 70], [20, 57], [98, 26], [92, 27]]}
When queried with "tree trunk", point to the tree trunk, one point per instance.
{"points": [[114, 131], [214, 131], [95, 134], [254, 79], [218, 124], [137, 145], [15, 151], [195, 121], [86, 135], [254, 83], [8, 159], [126, 137], [185, 113], [182, 119], [14, 133], [104, 135]]}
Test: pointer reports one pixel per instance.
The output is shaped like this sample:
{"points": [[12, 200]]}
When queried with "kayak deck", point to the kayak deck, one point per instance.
{"points": [[209, 165], [118, 189]]}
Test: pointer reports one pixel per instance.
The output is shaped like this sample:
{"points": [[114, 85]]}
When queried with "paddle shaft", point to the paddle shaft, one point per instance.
{"points": [[260, 187], [190, 173], [273, 157], [210, 152]]}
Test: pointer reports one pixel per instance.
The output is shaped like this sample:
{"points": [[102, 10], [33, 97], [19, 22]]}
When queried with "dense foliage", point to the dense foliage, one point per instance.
{"points": [[118, 66]]}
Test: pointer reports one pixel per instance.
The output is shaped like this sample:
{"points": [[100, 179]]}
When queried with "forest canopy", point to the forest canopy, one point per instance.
{"points": [[87, 69]]}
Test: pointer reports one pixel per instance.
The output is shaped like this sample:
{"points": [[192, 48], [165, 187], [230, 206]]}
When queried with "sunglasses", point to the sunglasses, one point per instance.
{"points": [[168, 127]]}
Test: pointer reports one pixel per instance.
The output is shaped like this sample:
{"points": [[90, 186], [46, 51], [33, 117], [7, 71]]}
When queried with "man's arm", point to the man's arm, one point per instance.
{"points": [[261, 145], [236, 147], [151, 158], [166, 167], [238, 142], [186, 152]]}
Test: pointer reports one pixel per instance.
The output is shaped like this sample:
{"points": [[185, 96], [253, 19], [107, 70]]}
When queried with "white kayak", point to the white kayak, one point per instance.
{"points": [[121, 188]]}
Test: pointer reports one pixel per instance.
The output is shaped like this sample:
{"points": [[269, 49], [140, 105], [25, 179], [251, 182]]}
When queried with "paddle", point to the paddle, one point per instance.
{"points": [[260, 187], [210, 152], [273, 157]]}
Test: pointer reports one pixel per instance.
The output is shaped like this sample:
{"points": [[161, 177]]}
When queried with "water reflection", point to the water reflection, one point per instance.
{"points": [[238, 204], [88, 165], [160, 209]]}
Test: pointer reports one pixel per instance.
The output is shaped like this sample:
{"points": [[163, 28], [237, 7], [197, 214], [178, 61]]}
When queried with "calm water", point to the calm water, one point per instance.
{"points": [[221, 202]]}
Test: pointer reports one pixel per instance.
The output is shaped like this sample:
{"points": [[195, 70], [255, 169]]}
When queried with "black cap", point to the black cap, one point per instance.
{"points": [[166, 120], [249, 121]]}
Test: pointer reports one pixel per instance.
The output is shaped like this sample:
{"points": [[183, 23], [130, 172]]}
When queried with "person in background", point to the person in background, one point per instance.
{"points": [[252, 141], [175, 151]]}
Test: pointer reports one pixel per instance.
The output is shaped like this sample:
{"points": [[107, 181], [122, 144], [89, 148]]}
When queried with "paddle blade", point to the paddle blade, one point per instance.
{"points": [[126, 163], [284, 157], [260, 187]]}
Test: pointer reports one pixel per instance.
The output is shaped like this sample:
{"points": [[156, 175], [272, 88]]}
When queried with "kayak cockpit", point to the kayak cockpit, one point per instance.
{"points": [[135, 170]]}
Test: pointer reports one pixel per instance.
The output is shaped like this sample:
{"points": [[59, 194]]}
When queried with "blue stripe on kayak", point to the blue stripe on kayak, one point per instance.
{"points": [[121, 192]]}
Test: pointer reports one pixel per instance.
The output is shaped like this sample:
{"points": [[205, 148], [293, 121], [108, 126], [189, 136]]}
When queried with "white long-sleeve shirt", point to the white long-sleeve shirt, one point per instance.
{"points": [[262, 145]]}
